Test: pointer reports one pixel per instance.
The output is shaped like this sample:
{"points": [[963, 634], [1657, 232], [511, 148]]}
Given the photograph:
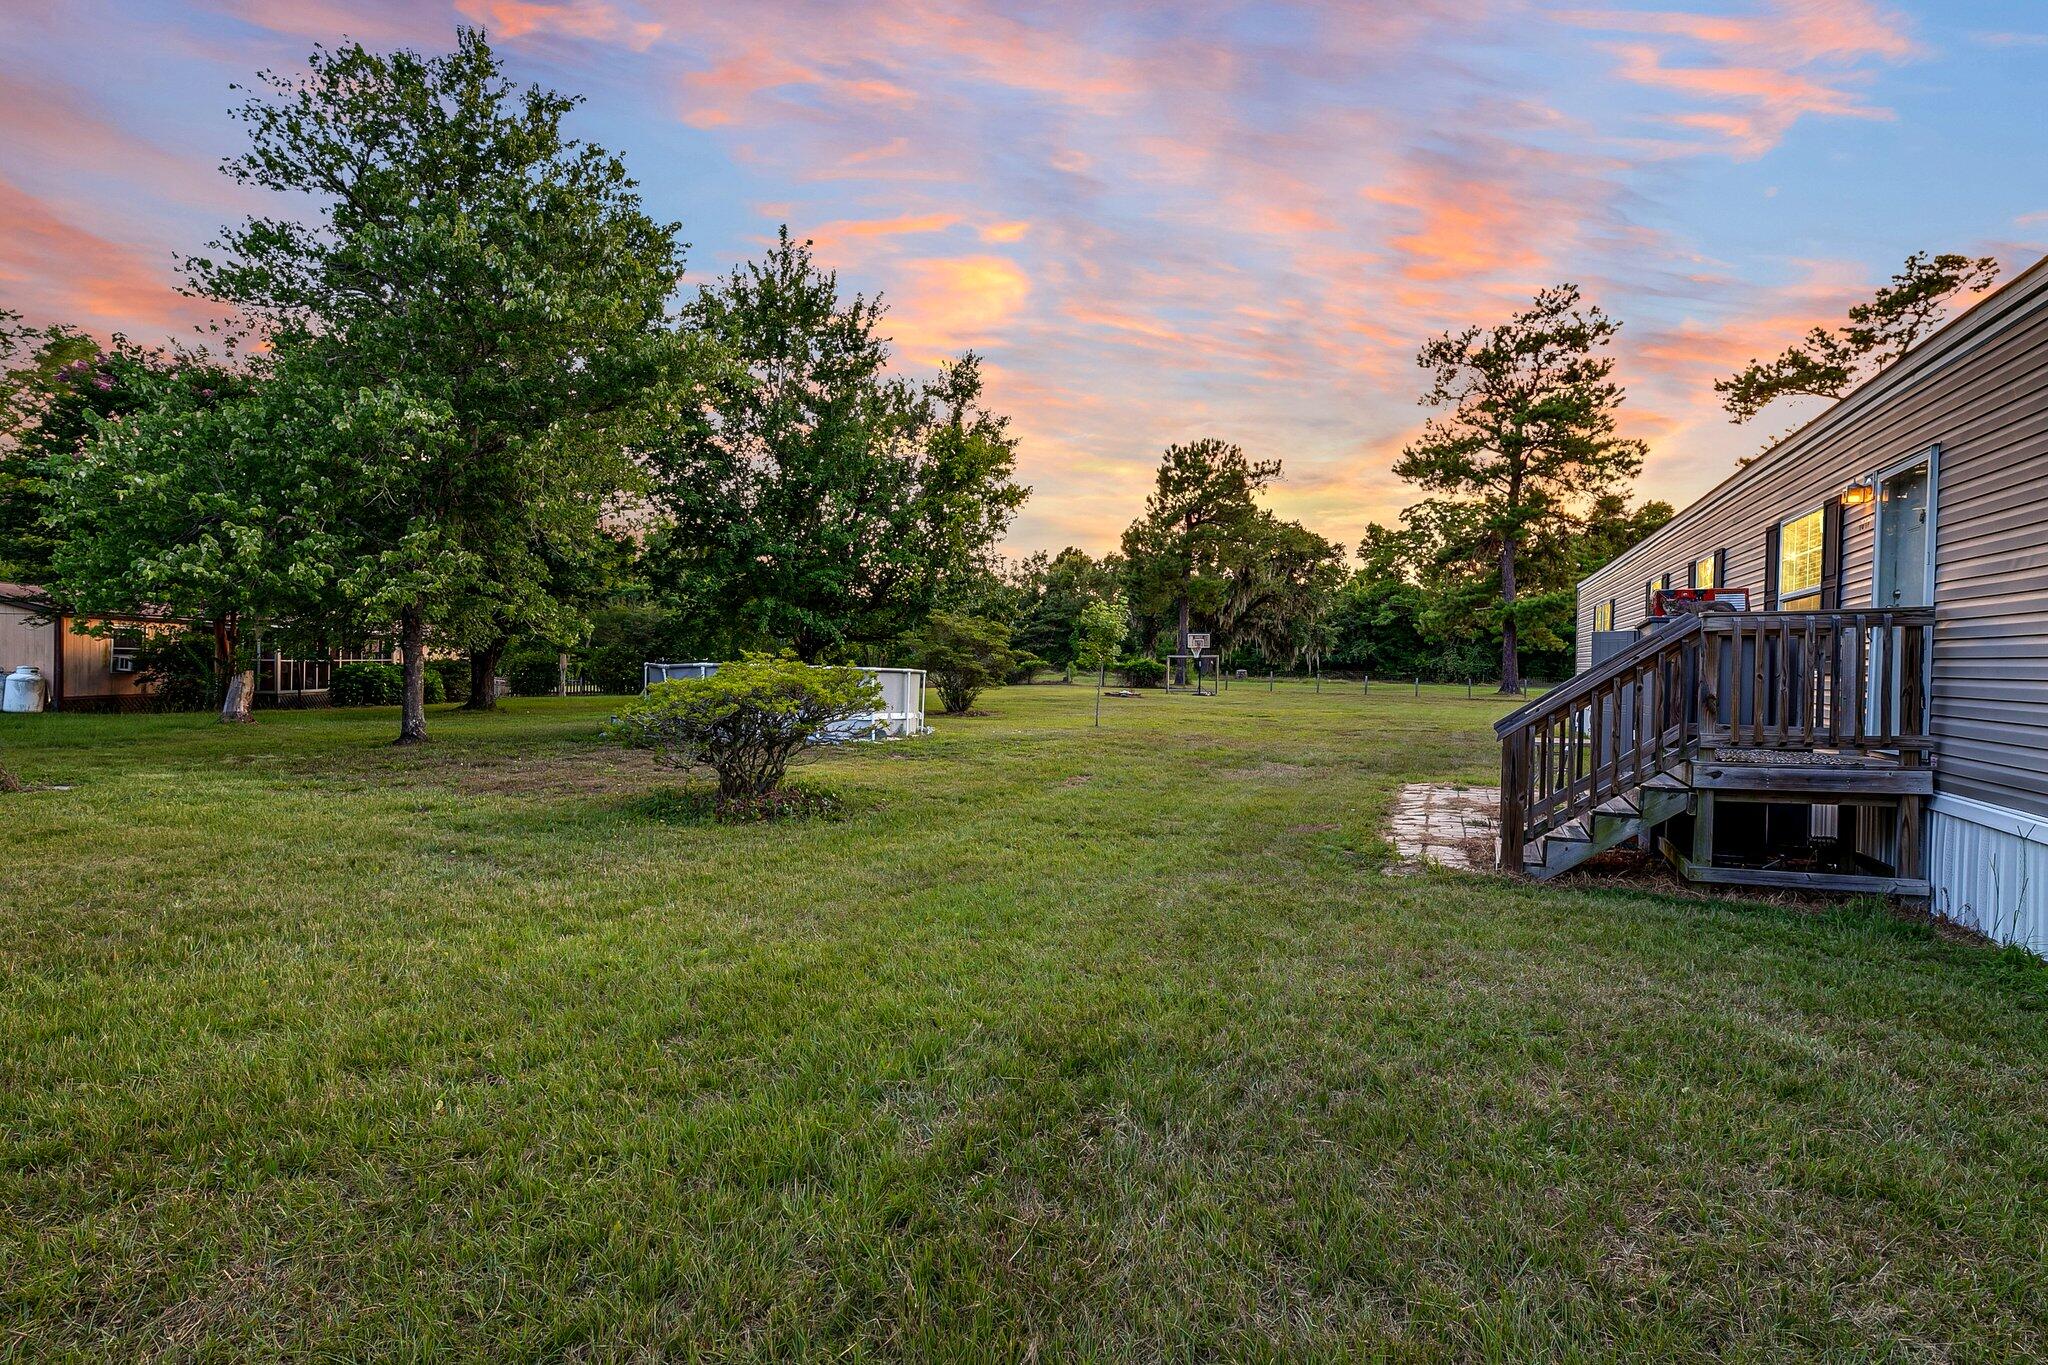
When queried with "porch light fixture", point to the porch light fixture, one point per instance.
{"points": [[1856, 494]]}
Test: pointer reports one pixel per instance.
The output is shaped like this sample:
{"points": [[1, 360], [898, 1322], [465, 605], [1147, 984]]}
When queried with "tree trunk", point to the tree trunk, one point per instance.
{"points": [[240, 695], [483, 676], [1510, 663], [412, 630]]}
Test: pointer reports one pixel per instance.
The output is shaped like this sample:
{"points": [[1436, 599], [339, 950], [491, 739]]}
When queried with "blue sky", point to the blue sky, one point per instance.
{"points": [[1159, 222]]}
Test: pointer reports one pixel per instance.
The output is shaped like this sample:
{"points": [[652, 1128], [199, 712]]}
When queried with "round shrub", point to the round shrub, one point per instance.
{"points": [[747, 722], [533, 672], [366, 684], [1142, 672]]}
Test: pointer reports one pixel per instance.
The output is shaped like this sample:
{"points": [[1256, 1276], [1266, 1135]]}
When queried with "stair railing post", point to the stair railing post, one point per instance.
{"points": [[1513, 757]]}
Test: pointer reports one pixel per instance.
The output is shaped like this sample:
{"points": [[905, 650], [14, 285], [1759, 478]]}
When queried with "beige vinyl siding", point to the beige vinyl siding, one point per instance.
{"points": [[26, 639], [1977, 390]]}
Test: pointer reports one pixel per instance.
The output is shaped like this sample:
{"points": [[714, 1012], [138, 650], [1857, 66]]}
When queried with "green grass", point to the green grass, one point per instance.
{"points": [[1062, 1043]]}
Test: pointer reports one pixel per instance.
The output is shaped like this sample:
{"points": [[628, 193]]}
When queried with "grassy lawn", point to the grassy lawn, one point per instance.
{"points": [[1064, 1043]]}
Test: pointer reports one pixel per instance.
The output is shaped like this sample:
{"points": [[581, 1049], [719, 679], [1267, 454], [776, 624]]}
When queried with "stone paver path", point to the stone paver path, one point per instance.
{"points": [[1450, 826]]}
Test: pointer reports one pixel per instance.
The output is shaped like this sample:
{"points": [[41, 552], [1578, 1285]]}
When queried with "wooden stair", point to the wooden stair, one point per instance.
{"points": [[1637, 812], [1773, 709]]}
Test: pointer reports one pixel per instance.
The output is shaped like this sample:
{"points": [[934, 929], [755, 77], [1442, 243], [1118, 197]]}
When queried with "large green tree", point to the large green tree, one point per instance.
{"points": [[1053, 591], [819, 501], [195, 505], [1281, 582], [1828, 361], [57, 385], [468, 310], [1201, 513], [1527, 435]]}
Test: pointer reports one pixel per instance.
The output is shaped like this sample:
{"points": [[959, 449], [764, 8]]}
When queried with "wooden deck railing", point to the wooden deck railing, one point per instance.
{"points": [[1851, 681]]}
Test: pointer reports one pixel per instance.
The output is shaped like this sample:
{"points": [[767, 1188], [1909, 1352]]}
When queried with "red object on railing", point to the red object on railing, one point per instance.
{"points": [[1663, 598]]}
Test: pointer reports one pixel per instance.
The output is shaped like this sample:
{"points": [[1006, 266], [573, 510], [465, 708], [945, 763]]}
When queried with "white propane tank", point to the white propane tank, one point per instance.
{"points": [[24, 690]]}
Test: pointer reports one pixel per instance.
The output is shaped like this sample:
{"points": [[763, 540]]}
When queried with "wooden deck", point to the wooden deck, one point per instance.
{"points": [[1718, 737]]}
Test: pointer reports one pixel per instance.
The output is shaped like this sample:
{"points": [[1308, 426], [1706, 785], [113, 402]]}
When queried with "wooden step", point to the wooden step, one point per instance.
{"points": [[1613, 822]]}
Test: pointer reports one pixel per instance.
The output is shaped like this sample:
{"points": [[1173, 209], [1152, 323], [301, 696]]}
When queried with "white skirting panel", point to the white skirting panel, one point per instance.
{"points": [[1989, 869]]}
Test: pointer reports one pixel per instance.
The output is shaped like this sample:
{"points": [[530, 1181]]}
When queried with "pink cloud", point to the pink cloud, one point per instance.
{"points": [[945, 305], [592, 20], [1760, 73], [55, 271]]}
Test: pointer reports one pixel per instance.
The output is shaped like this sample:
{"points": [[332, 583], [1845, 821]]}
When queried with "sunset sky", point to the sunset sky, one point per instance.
{"points": [[1157, 221]]}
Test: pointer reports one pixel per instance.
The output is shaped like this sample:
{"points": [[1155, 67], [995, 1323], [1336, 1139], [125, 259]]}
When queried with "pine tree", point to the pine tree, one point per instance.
{"points": [[1528, 434]]}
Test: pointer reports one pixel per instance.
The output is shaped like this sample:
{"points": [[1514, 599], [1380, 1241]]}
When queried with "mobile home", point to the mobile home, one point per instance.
{"points": [[1877, 717]]}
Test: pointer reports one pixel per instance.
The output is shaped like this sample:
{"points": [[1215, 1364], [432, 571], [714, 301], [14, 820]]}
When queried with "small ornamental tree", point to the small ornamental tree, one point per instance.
{"points": [[963, 655], [747, 722], [1099, 633]]}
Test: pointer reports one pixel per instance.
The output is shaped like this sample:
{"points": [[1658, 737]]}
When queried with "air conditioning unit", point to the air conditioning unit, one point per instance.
{"points": [[124, 663]]}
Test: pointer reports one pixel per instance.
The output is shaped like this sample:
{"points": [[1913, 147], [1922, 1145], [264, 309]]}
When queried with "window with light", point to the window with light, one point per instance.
{"points": [[1800, 552]]}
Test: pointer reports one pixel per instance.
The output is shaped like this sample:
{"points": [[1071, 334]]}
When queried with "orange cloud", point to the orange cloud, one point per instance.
{"points": [[55, 271], [950, 303], [845, 229]]}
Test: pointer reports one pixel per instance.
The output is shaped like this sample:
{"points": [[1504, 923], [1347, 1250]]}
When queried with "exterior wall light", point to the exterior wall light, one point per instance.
{"points": [[1856, 494]]}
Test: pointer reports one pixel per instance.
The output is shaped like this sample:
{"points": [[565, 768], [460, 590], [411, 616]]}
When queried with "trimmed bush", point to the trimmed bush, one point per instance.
{"points": [[1142, 672], [533, 672], [962, 656], [369, 684], [366, 684], [451, 676], [747, 722]]}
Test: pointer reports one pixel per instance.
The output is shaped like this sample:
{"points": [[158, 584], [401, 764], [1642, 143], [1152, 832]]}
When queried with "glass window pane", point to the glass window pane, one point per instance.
{"points": [[1799, 560], [1703, 573]]}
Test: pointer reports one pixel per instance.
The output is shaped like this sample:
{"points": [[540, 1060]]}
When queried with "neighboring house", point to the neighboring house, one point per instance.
{"points": [[98, 671], [1889, 686], [81, 671]]}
